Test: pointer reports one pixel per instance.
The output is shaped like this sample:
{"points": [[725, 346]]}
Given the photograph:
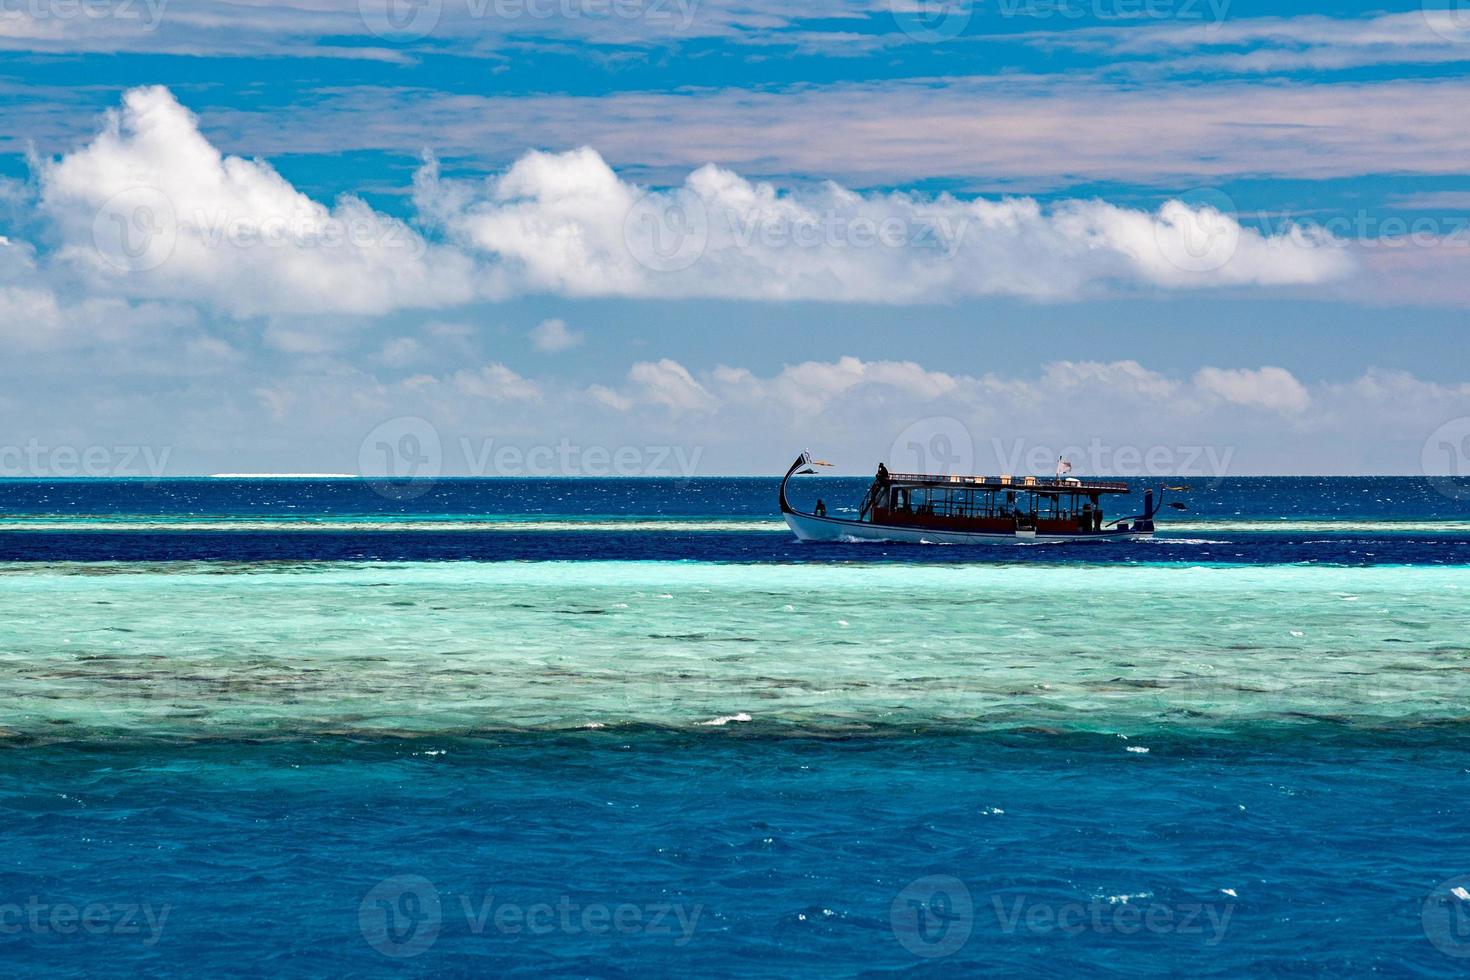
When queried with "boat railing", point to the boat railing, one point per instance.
{"points": [[1013, 483]]}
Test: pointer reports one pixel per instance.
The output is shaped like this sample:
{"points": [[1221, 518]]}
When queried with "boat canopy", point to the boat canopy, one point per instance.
{"points": [[1030, 484]]}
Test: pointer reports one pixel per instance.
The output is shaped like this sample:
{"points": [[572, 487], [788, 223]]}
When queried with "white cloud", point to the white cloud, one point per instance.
{"points": [[151, 208], [239, 240], [401, 351], [604, 395], [1128, 379], [554, 336], [566, 222], [1271, 388], [810, 385], [1274, 44], [669, 383], [1110, 414], [496, 382]]}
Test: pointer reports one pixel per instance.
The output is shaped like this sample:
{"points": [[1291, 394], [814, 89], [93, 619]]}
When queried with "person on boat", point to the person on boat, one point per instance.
{"points": [[821, 508], [882, 473]]}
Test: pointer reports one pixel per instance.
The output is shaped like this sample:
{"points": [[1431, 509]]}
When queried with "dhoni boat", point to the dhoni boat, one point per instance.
{"points": [[932, 509]]}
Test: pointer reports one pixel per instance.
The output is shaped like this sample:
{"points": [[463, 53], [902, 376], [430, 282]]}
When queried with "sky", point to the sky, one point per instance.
{"points": [[686, 237]]}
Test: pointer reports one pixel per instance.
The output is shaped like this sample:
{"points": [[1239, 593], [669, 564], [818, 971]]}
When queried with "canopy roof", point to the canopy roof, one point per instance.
{"points": [[1028, 484]]}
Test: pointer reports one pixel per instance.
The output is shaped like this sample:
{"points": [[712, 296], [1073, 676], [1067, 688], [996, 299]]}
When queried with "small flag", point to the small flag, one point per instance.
{"points": [[1063, 466]]}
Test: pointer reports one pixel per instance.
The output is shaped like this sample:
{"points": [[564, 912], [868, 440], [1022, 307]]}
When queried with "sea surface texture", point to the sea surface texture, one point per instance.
{"points": [[632, 727]]}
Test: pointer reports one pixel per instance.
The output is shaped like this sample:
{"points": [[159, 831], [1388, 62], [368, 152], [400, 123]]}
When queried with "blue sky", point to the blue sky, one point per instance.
{"points": [[257, 237]]}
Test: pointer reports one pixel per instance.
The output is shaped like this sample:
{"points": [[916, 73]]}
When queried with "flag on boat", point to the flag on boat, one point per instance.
{"points": [[1063, 467]]}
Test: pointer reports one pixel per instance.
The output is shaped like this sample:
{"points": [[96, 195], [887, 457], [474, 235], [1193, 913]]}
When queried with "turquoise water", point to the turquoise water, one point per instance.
{"points": [[193, 650], [530, 727]]}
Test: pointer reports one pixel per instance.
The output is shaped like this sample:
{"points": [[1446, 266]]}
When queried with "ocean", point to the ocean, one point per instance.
{"points": [[622, 727]]}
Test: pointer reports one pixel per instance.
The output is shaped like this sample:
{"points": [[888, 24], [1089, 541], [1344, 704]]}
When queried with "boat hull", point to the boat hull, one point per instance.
{"points": [[809, 527]]}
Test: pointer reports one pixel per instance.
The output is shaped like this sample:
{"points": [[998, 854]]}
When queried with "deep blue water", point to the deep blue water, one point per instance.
{"points": [[1346, 502], [741, 856], [1312, 547], [1323, 849], [1382, 498]]}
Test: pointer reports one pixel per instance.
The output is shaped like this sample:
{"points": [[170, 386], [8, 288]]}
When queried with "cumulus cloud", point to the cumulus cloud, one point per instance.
{"points": [[668, 383], [810, 385], [1271, 388], [554, 336], [150, 207], [566, 222], [1116, 416], [150, 212], [498, 383]]}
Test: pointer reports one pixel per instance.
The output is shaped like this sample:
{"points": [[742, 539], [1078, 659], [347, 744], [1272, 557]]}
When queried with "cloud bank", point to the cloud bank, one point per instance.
{"points": [[150, 211], [1122, 416]]}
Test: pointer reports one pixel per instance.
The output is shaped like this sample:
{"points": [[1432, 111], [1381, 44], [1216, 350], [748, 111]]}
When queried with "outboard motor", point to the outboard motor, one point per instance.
{"points": [[1145, 520]]}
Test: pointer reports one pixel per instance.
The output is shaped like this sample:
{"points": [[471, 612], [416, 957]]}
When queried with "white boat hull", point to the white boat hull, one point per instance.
{"points": [[809, 527]]}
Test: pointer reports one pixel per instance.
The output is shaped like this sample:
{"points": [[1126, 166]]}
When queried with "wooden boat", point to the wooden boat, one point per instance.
{"points": [[929, 509]]}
